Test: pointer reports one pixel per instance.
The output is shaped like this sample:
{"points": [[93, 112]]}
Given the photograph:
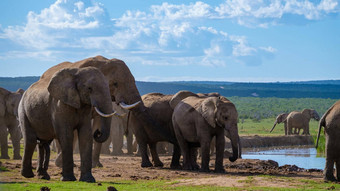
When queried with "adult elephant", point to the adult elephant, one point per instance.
{"points": [[300, 120], [196, 121], [279, 119], [54, 107], [9, 102], [331, 121]]}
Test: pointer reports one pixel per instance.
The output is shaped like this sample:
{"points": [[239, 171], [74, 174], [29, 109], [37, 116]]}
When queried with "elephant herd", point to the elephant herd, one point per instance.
{"points": [[96, 98]]}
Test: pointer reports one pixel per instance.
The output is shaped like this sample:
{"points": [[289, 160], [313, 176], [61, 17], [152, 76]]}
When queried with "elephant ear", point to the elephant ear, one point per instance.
{"points": [[3, 95], [63, 87], [208, 110]]}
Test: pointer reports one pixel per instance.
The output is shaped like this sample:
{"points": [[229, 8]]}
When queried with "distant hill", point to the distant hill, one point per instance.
{"points": [[306, 89]]}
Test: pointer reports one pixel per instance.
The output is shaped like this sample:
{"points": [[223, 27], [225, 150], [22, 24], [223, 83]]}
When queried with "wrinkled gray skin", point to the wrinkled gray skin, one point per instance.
{"points": [[122, 88], [300, 120], [54, 107], [279, 119], [9, 102], [159, 108], [196, 121], [331, 121]]}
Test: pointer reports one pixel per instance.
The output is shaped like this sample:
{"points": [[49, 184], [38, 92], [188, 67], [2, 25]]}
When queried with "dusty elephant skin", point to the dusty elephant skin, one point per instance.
{"points": [[196, 121], [300, 120], [9, 102], [54, 107], [122, 86], [331, 121]]}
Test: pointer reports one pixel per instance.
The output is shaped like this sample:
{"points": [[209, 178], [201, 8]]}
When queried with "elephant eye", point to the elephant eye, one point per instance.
{"points": [[90, 89], [225, 118], [115, 84]]}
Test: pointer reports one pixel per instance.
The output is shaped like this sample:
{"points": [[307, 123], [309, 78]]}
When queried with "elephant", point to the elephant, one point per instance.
{"points": [[56, 105], [196, 120], [158, 106], [331, 122], [300, 120], [122, 86], [9, 102], [279, 119]]}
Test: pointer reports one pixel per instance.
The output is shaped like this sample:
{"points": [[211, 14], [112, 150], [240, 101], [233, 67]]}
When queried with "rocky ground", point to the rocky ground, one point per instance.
{"points": [[127, 167]]}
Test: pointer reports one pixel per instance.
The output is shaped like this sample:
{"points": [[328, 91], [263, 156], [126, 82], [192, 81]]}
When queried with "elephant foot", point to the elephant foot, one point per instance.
{"points": [[44, 176], [87, 177], [204, 170], [117, 152], [96, 164], [329, 179], [68, 178], [175, 166], [4, 157], [146, 164], [17, 157], [27, 173], [219, 170], [159, 164]]}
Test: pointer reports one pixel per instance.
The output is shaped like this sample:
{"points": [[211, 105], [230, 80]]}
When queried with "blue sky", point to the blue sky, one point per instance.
{"points": [[220, 40]]}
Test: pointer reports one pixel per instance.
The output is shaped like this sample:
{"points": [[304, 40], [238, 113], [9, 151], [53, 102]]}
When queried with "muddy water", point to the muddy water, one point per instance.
{"points": [[303, 157]]}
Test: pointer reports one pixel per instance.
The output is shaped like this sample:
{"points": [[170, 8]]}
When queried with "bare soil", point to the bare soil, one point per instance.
{"points": [[241, 173]]}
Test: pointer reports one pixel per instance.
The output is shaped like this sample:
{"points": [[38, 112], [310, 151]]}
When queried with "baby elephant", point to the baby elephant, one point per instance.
{"points": [[196, 121]]}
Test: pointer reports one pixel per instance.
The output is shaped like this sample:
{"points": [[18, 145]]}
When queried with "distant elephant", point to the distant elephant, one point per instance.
{"points": [[196, 121], [331, 121], [300, 120], [279, 119], [54, 107], [9, 102]]}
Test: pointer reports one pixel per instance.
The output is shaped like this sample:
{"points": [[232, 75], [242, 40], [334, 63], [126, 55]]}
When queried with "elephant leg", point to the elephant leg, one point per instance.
{"points": [[193, 158], [144, 154], [307, 129], [96, 155], [329, 170], [4, 142], [337, 165], [154, 154], [65, 138], [43, 160], [176, 155], [117, 135], [205, 149], [59, 159], [86, 140], [129, 140], [161, 147], [285, 127], [30, 143], [15, 133], [220, 143]]}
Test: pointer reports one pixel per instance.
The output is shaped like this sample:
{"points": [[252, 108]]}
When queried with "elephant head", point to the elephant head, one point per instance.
{"points": [[84, 87], [279, 119], [9, 102], [311, 113], [219, 111], [123, 89]]}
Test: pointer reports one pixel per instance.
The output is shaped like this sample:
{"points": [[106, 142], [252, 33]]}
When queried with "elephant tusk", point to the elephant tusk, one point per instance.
{"points": [[107, 115], [125, 106]]}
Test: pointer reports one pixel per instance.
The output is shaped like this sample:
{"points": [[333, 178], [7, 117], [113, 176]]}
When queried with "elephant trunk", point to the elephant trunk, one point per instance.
{"points": [[235, 144], [321, 124], [273, 126], [102, 134]]}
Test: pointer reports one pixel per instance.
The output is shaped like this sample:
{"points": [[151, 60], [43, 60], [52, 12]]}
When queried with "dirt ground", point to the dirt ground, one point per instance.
{"points": [[127, 167]]}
